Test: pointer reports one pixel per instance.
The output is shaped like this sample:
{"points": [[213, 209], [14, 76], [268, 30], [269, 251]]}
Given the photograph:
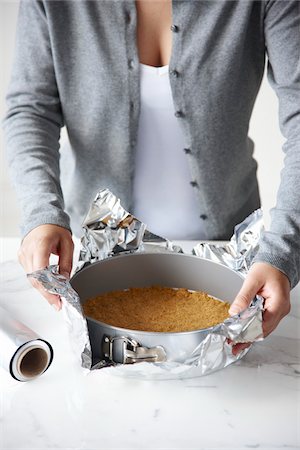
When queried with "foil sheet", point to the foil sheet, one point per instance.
{"points": [[108, 230], [55, 283], [243, 246]]}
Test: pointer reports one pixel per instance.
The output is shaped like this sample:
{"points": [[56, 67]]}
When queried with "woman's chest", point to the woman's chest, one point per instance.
{"points": [[153, 34]]}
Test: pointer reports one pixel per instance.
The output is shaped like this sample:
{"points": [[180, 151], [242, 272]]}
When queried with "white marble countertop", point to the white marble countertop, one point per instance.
{"points": [[254, 403]]}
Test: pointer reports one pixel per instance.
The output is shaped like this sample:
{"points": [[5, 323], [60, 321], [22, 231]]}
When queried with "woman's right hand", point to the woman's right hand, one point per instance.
{"points": [[36, 249]]}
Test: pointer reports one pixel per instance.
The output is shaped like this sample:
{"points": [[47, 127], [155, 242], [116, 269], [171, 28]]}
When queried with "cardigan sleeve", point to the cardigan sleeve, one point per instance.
{"points": [[280, 245], [33, 122]]}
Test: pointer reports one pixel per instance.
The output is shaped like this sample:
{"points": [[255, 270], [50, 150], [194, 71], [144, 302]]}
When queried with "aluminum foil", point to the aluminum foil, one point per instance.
{"points": [[22, 352], [108, 230], [243, 246], [55, 283]]}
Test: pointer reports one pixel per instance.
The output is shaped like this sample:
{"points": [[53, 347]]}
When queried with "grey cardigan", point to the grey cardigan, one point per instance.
{"points": [[76, 64]]}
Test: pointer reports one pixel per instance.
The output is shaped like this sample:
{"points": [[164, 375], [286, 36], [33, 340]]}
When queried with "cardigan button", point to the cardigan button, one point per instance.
{"points": [[174, 28], [194, 183], [127, 18], [203, 216], [130, 63], [178, 114], [188, 151], [174, 73]]}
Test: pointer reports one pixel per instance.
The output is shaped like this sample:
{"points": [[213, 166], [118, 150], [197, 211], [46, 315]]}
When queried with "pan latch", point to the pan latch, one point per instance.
{"points": [[121, 349]]}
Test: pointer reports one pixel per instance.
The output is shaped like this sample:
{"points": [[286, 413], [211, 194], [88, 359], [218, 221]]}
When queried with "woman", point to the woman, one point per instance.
{"points": [[156, 98]]}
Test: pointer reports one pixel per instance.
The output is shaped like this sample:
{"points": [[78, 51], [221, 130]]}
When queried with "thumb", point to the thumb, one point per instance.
{"points": [[245, 296], [66, 257]]}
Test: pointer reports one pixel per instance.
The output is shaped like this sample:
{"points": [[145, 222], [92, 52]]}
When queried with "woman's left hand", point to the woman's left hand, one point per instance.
{"points": [[274, 286]]}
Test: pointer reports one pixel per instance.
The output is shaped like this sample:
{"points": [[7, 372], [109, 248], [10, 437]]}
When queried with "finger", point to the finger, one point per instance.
{"points": [[40, 261], [238, 348], [53, 300], [275, 308], [248, 291], [26, 260], [25, 257], [66, 257], [41, 256]]}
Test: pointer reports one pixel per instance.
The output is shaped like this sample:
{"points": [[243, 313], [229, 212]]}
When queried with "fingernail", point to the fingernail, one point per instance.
{"points": [[233, 310], [56, 307], [239, 348], [66, 275]]}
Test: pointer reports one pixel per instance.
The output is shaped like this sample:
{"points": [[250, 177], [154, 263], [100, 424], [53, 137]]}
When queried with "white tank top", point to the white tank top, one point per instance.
{"points": [[162, 194]]}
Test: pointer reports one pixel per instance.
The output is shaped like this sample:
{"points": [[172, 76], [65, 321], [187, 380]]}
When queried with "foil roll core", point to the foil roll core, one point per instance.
{"points": [[31, 360]]}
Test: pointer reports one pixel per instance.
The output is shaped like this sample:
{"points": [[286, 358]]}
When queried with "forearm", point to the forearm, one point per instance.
{"points": [[32, 149]]}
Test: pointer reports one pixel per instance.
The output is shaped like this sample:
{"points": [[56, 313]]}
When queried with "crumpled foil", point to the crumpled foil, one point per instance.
{"points": [[108, 230], [243, 246], [57, 284]]}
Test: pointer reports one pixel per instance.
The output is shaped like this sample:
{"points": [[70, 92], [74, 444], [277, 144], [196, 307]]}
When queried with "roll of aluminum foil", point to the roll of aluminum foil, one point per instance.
{"points": [[109, 230], [22, 352]]}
